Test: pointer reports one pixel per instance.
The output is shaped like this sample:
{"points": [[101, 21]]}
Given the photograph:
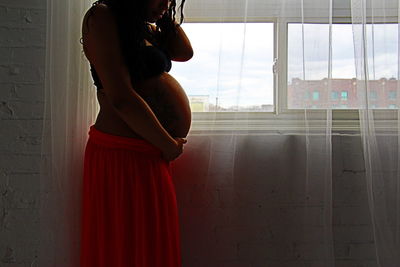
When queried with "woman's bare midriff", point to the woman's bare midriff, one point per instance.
{"points": [[165, 97], [109, 122]]}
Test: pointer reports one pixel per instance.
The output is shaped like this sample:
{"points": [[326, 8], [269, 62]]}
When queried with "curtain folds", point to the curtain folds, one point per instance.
{"points": [[380, 146], [314, 28], [70, 108]]}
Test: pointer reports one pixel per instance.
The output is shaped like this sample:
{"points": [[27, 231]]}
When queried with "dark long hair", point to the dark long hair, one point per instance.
{"points": [[132, 26]]}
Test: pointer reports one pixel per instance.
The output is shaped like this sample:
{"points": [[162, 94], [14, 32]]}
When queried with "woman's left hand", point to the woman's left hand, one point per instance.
{"points": [[174, 38]]}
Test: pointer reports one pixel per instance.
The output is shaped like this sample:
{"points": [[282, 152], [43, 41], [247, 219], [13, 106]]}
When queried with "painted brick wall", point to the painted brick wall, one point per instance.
{"points": [[22, 58], [209, 235], [251, 216]]}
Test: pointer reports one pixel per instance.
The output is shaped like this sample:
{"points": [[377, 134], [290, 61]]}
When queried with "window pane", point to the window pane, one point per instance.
{"points": [[315, 95], [308, 67], [392, 94], [373, 95], [344, 95], [231, 69]]}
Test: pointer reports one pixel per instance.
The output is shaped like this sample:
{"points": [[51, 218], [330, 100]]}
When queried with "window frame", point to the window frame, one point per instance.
{"points": [[283, 120]]}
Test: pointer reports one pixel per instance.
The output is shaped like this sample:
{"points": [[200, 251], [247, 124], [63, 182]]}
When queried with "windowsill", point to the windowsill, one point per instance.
{"points": [[344, 122]]}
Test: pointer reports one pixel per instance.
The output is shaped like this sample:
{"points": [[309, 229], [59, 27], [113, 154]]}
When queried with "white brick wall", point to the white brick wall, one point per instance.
{"points": [[229, 224], [253, 218], [22, 58]]}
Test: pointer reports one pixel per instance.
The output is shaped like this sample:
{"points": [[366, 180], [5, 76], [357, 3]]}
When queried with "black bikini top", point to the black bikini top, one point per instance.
{"points": [[152, 61]]}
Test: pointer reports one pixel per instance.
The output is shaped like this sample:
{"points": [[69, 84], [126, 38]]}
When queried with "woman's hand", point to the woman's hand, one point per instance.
{"points": [[166, 24], [174, 151], [174, 39]]}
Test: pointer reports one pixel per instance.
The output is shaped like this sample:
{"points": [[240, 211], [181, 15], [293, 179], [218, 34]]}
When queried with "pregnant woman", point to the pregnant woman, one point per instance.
{"points": [[129, 208]]}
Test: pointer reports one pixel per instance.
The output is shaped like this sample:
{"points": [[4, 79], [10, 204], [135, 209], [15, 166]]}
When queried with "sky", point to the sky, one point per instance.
{"points": [[233, 61]]}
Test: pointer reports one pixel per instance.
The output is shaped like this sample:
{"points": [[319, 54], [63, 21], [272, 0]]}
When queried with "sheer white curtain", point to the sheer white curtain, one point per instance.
{"points": [[320, 38], [70, 107], [375, 26], [226, 148], [233, 162]]}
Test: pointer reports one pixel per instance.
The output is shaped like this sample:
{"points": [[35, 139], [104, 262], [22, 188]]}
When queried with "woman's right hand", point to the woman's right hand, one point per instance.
{"points": [[175, 150]]}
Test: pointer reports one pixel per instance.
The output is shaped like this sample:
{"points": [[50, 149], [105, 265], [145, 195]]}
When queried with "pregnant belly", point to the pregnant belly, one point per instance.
{"points": [[168, 101]]}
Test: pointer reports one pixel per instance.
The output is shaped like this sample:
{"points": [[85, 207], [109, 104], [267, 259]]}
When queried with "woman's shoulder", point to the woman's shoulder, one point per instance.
{"points": [[98, 26], [99, 13]]}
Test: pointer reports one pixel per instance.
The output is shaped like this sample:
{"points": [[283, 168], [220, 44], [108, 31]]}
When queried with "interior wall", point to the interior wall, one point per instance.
{"points": [[241, 215], [22, 59]]}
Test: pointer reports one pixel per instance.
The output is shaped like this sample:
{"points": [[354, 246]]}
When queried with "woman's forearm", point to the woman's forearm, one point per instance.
{"points": [[140, 118], [177, 42]]}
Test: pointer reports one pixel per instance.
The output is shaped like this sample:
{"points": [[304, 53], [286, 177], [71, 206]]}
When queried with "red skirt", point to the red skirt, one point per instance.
{"points": [[129, 208]]}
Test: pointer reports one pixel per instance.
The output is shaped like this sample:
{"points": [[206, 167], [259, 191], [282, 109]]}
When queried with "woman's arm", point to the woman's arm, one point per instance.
{"points": [[175, 40], [103, 51]]}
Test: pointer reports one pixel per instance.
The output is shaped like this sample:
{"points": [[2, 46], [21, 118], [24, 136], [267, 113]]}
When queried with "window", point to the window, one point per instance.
{"points": [[210, 77], [392, 95], [392, 106], [221, 72], [373, 95], [308, 64], [315, 95], [216, 71], [344, 95]]}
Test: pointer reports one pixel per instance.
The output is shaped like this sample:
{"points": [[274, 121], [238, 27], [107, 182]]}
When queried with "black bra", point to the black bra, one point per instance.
{"points": [[153, 62]]}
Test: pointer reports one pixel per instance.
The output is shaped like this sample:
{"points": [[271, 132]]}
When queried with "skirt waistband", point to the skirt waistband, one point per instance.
{"points": [[121, 142]]}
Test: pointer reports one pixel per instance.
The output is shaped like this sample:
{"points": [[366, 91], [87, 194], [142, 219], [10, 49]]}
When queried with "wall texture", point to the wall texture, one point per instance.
{"points": [[227, 225], [22, 59], [251, 216]]}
